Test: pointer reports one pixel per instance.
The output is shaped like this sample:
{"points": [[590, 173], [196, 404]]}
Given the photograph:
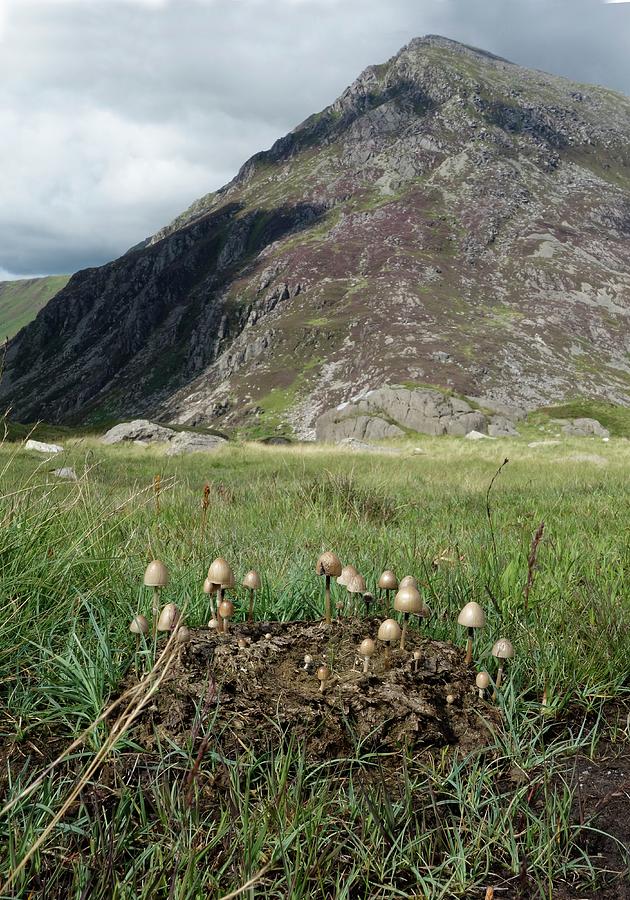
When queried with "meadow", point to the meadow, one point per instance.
{"points": [[514, 817]]}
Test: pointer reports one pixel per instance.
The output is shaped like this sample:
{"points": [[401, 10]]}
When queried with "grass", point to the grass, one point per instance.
{"points": [[72, 557], [613, 417], [21, 300]]}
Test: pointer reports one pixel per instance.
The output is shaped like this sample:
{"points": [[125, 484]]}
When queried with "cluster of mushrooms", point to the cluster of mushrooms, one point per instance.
{"points": [[407, 601]]}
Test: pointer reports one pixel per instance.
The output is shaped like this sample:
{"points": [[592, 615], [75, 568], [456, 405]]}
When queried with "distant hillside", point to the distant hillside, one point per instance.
{"points": [[20, 301], [450, 220]]}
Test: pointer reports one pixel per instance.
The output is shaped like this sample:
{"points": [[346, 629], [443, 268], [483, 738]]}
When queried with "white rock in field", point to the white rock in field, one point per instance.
{"points": [[477, 436], [66, 472], [543, 443], [42, 448]]}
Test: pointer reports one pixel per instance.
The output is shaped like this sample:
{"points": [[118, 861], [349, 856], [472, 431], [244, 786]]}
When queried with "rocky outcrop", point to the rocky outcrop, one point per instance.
{"points": [[139, 430], [391, 411], [192, 442], [585, 428], [41, 447]]}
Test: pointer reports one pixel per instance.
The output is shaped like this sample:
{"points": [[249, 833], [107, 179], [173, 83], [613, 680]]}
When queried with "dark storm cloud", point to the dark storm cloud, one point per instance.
{"points": [[115, 114]]}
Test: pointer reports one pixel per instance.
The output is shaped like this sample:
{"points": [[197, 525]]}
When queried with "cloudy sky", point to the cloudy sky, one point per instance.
{"points": [[116, 114]]}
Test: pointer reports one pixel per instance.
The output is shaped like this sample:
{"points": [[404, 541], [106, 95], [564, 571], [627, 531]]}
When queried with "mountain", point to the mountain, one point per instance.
{"points": [[452, 219], [21, 300]]}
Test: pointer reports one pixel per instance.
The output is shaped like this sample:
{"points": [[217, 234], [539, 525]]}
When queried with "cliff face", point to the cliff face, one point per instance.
{"points": [[452, 219]]}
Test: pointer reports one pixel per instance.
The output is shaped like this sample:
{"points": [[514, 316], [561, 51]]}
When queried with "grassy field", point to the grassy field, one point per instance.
{"points": [[507, 816], [21, 300]]}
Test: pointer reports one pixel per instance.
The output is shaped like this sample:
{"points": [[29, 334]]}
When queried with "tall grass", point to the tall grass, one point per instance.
{"points": [[71, 561]]}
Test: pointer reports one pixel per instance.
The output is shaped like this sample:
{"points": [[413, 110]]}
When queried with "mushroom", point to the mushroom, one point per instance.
{"points": [[389, 631], [356, 585], [220, 574], [169, 617], [139, 625], [182, 634], [408, 581], [210, 588], [213, 623], [308, 662], [323, 673], [339, 608], [450, 698], [482, 681], [388, 582], [329, 565], [502, 650], [347, 573], [242, 644], [253, 583], [366, 649], [226, 611], [417, 656], [471, 617], [368, 599], [407, 601], [156, 576]]}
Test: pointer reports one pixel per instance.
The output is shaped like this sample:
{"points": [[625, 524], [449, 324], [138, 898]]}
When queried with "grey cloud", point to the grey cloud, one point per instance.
{"points": [[116, 114]]}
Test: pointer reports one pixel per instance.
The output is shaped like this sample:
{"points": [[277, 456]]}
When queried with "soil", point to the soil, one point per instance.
{"points": [[261, 692]]}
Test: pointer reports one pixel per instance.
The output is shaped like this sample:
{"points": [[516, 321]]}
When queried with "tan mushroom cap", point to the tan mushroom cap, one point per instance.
{"points": [[156, 574], [389, 630], [367, 647], [220, 572], [356, 584], [252, 581], [408, 600], [408, 581], [139, 625], [472, 616], [388, 581], [347, 573], [209, 587], [503, 649], [482, 680], [328, 564], [169, 617], [182, 634], [226, 609], [323, 673]]}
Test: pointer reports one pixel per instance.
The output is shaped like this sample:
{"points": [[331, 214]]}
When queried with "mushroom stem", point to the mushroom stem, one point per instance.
{"points": [[404, 630], [366, 664], [156, 609], [499, 680], [250, 614], [469, 647], [220, 621], [387, 601], [367, 598], [327, 602], [388, 654]]}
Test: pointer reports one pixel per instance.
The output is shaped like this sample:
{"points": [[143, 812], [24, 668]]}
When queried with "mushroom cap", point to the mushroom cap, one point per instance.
{"points": [[252, 581], [472, 616], [209, 587], [308, 659], [367, 647], [408, 600], [323, 673], [347, 573], [503, 649], [482, 680], [212, 623], [156, 574], [182, 634], [139, 625], [356, 584], [169, 617], [417, 654], [220, 572], [408, 581], [389, 630], [226, 609], [328, 564], [388, 581]]}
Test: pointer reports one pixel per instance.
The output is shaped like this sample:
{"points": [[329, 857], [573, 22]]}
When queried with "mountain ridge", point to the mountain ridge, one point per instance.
{"points": [[451, 219]]}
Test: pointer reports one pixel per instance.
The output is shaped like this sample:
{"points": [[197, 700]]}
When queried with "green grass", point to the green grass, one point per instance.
{"points": [[71, 563], [20, 301], [613, 417]]}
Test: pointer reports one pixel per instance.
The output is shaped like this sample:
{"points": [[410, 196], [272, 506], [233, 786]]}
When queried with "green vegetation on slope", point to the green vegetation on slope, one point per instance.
{"points": [[72, 562], [20, 301]]}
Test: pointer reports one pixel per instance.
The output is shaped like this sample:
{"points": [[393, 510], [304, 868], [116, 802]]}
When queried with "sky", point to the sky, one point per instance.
{"points": [[116, 114]]}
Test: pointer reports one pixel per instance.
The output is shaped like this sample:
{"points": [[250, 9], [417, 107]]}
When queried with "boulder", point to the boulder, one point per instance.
{"points": [[191, 442], [362, 447], [500, 426], [67, 473], [333, 427], [138, 430], [40, 447], [477, 436], [585, 428], [544, 443]]}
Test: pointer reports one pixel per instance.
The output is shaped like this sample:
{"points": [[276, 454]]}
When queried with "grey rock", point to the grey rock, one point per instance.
{"points": [[138, 430], [40, 447], [544, 443], [477, 436], [66, 473], [585, 428], [336, 426], [499, 426], [362, 447], [191, 442]]}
